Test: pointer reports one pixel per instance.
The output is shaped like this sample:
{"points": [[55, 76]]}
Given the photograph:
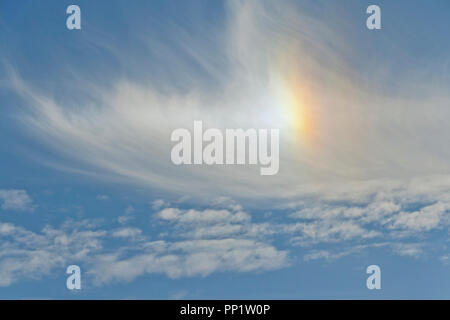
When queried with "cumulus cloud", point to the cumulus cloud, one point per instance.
{"points": [[199, 243], [27, 254], [216, 223], [132, 233], [402, 249], [329, 255], [17, 200], [224, 238], [205, 216], [331, 231], [128, 215], [389, 210], [427, 218], [190, 258], [158, 204], [408, 249]]}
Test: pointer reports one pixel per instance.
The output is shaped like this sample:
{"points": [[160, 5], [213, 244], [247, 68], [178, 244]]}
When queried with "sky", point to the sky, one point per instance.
{"points": [[86, 177]]}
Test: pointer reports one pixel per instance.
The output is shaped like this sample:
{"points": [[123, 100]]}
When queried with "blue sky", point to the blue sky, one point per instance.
{"points": [[87, 179]]}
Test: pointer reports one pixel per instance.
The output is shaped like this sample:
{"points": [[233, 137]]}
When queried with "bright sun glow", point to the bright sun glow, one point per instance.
{"points": [[296, 106]]}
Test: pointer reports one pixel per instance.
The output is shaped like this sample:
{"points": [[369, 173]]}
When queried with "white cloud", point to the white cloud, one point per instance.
{"points": [[227, 203], [425, 219], [17, 200], [267, 55], [127, 216], [408, 249], [329, 256], [132, 233], [158, 204], [373, 211], [331, 231], [205, 216], [129, 210], [400, 248], [102, 197], [445, 259], [215, 223], [391, 210], [199, 242], [178, 295], [26, 254], [190, 258], [332, 177], [205, 241]]}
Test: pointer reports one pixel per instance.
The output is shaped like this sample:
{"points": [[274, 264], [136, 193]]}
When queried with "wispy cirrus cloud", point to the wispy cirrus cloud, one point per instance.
{"points": [[263, 54]]}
